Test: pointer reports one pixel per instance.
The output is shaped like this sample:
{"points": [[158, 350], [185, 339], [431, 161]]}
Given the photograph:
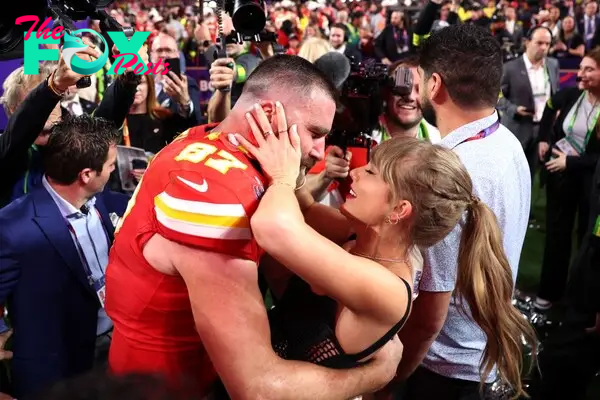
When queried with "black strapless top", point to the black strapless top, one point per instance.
{"points": [[303, 328]]}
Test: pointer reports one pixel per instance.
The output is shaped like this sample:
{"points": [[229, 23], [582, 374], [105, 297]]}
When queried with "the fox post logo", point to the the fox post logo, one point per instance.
{"points": [[128, 49]]}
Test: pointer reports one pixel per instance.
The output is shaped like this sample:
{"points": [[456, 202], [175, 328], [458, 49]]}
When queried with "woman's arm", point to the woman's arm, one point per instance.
{"points": [[279, 228], [553, 106], [584, 162], [579, 51], [118, 99]]}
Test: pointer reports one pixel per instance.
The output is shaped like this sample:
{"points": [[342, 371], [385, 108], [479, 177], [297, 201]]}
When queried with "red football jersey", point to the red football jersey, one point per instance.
{"points": [[201, 191]]}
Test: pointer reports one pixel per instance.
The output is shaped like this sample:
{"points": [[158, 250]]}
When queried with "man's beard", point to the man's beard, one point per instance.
{"points": [[404, 125], [428, 112], [307, 162]]}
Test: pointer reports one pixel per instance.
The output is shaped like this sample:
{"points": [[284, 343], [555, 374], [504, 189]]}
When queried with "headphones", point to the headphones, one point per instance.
{"points": [[344, 29], [531, 31]]}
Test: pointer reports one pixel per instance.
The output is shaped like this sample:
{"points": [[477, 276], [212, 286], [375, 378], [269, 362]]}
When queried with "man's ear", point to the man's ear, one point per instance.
{"points": [[436, 88], [268, 107], [86, 175]]}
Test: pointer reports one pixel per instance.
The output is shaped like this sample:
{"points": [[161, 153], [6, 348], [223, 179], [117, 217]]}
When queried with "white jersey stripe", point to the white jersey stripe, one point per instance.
{"points": [[199, 207], [211, 232]]}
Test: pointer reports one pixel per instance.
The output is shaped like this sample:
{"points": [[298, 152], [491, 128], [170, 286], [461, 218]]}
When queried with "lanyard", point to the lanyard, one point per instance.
{"points": [[546, 83], [29, 166], [572, 124], [86, 266], [26, 180], [483, 134], [422, 133], [397, 36]]}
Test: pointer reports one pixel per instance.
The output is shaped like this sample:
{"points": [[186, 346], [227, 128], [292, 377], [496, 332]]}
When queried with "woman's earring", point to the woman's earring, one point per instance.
{"points": [[391, 221]]}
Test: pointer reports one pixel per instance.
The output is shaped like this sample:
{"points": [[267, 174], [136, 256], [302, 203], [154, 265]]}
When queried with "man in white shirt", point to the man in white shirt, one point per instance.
{"points": [[460, 70]]}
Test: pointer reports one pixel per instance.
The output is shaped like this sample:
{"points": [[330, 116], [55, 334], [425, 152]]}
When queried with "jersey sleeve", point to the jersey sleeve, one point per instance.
{"points": [[207, 212]]}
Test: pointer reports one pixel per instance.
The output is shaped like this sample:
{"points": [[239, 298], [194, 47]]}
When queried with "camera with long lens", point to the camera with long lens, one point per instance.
{"points": [[361, 102], [248, 17]]}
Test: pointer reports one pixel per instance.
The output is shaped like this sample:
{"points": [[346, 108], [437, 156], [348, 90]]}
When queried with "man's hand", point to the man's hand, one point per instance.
{"points": [[386, 61], [5, 354], [177, 88], [138, 173], [387, 360], [543, 148], [522, 111], [337, 164], [64, 76], [222, 73]]}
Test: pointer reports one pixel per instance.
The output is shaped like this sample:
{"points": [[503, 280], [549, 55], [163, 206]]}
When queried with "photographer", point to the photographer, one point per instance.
{"points": [[230, 72], [402, 117]]}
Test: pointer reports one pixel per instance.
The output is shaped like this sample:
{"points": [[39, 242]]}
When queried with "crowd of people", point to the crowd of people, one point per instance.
{"points": [[157, 244]]}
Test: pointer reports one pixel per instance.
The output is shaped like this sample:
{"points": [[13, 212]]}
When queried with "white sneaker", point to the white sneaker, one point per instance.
{"points": [[542, 304]]}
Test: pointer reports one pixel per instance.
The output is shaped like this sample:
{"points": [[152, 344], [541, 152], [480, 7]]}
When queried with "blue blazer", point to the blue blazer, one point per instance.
{"points": [[52, 309]]}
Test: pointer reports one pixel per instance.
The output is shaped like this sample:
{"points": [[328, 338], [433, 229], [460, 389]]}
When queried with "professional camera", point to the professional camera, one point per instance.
{"points": [[248, 16], [63, 11], [361, 102]]}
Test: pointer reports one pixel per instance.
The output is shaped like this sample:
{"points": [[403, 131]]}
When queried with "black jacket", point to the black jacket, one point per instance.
{"points": [[551, 130], [584, 285], [29, 119]]}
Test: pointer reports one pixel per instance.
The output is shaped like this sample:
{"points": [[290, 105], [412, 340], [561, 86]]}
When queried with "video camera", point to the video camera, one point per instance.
{"points": [[361, 102], [248, 16], [249, 19]]}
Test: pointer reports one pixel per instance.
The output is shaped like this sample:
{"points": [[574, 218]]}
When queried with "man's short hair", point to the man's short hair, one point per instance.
{"points": [[294, 73], [77, 143], [469, 60]]}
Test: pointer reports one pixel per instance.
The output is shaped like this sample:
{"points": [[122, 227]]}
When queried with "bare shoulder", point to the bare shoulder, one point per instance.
{"points": [[172, 258]]}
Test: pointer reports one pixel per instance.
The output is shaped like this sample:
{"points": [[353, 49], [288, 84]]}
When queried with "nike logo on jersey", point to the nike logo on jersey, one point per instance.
{"points": [[201, 188]]}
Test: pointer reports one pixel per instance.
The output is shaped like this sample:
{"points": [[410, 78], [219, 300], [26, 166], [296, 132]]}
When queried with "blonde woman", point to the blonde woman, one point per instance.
{"points": [[349, 298], [313, 48]]}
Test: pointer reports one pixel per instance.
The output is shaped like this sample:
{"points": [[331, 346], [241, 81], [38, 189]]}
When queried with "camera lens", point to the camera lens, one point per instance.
{"points": [[248, 17]]}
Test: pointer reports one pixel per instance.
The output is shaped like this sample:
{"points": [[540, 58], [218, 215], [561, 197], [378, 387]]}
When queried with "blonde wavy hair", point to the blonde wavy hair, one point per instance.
{"points": [[17, 85], [313, 48], [438, 186]]}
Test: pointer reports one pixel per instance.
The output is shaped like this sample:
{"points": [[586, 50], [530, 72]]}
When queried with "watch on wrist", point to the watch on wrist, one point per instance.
{"points": [[186, 106]]}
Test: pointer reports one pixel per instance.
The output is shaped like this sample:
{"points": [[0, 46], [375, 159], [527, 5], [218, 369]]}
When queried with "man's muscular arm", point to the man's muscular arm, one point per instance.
{"points": [[422, 328], [317, 184], [231, 319]]}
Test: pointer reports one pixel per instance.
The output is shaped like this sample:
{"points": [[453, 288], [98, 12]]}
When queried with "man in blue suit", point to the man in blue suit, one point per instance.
{"points": [[54, 245]]}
